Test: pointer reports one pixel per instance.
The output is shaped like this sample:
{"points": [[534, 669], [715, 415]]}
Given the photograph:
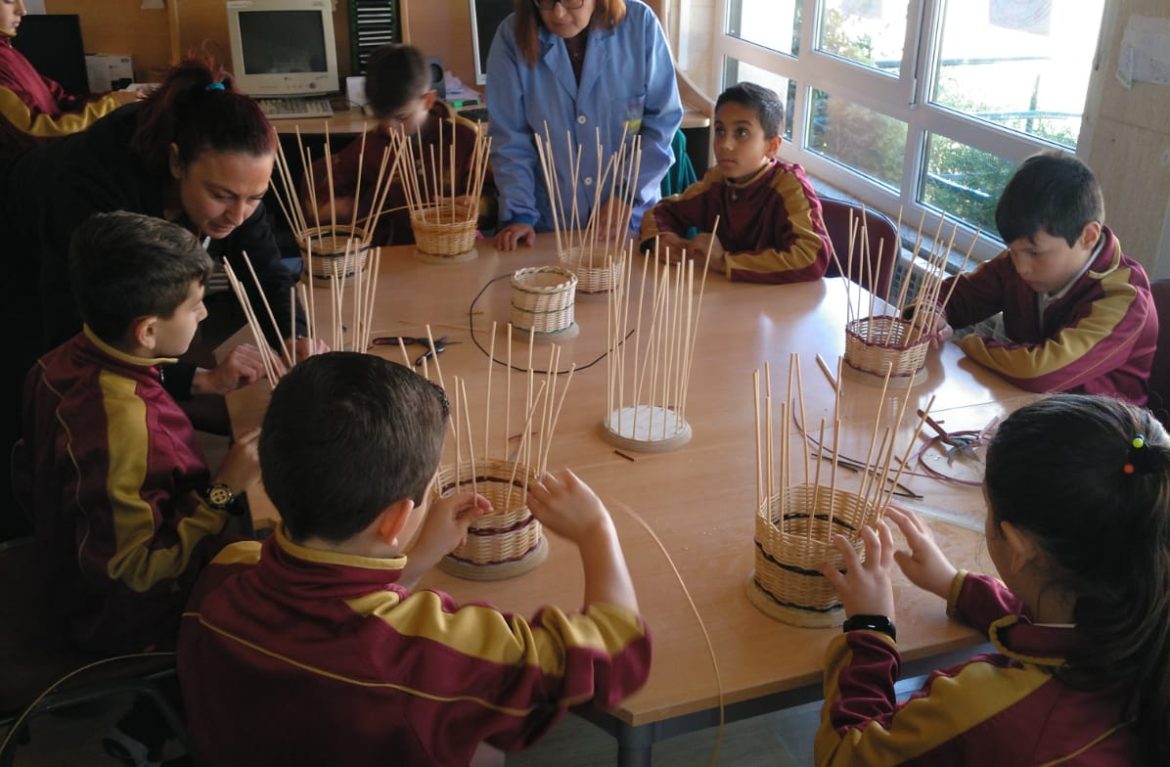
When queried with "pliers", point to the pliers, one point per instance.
{"points": [[441, 343]]}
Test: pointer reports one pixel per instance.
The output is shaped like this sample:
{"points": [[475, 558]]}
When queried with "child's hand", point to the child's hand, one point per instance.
{"points": [[513, 235], [865, 589], [568, 507], [925, 564], [242, 366], [445, 527], [241, 466], [306, 347], [671, 247], [698, 250]]}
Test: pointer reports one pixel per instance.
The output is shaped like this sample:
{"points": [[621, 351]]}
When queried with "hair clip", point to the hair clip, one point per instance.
{"points": [[214, 87], [1136, 454]]}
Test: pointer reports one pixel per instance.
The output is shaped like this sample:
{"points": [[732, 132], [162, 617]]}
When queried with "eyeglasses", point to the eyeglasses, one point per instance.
{"points": [[568, 5]]}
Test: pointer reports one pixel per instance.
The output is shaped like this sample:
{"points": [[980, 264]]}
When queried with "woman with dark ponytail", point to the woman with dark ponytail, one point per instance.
{"points": [[195, 152], [1078, 526]]}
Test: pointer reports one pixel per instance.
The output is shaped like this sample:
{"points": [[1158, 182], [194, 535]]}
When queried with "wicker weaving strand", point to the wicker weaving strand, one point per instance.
{"points": [[543, 299]]}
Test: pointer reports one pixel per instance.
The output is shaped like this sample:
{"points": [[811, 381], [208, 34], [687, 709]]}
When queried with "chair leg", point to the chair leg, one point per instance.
{"points": [[173, 720]]}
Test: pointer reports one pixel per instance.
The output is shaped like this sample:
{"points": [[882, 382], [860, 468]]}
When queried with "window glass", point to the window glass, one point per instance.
{"points": [[1021, 64], [869, 142], [963, 181], [773, 24], [867, 32]]}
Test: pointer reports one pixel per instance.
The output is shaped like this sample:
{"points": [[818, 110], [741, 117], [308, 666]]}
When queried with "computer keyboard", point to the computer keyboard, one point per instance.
{"points": [[475, 114], [291, 109]]}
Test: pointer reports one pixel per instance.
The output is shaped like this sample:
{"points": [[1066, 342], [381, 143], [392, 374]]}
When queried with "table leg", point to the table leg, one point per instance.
{"points": [[635, 745]]}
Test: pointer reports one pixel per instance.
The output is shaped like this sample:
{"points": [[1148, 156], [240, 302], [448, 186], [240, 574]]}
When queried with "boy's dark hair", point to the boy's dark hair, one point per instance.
{"points": [[769, 108], [123, 266], [1050, 192], [346, 435], [395, 75], [1066, 470]]}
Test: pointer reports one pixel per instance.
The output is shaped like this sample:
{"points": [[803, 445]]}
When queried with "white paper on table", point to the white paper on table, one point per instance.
{"points": [[1145, 52]]}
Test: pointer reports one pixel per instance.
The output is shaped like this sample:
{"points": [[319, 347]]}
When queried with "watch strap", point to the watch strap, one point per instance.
{"points": [[879, 623]]}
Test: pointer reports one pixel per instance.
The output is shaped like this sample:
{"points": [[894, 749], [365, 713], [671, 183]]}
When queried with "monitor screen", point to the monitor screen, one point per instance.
{"points": [[53, 44], [283, 47], [282, 41], [486, 16]]}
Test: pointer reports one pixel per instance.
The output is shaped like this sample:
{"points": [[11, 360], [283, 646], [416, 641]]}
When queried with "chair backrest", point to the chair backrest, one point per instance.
{"points": [[882, 234], [1159, 385]]}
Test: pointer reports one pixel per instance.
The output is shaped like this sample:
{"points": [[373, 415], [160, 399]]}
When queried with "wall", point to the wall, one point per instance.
{"points": [[121, 26], [1130, 150], [441, 28]]}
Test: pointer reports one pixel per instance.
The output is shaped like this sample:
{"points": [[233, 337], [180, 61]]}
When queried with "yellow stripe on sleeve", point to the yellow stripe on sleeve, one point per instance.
{"points": [[43, 126], [484, 633], [955, 705], [134, 562]]}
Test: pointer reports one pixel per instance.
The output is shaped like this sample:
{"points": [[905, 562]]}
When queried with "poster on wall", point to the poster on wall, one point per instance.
{"points": [[1145, 52], [1032, 16]]}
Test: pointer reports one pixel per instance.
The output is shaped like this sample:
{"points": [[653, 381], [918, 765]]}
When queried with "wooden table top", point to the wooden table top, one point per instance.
{"points": [[699, 499]]}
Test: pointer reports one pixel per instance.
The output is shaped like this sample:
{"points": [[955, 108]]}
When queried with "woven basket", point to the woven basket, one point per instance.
{"points": [[788, 563], [873, 344], [510, 532], [596, 274], [329, 256], [441, 231], [542, 299]]}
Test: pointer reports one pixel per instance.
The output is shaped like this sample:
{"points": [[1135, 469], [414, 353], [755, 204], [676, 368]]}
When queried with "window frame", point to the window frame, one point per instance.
{"points": [[905, 98]]}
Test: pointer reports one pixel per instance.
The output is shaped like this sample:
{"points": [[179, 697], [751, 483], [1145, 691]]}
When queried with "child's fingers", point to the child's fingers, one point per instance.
{"points": [[873, 547], [886, 555], [834, 577], [847, 553]]}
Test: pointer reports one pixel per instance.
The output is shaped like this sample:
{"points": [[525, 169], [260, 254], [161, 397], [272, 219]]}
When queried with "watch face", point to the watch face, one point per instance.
{"points": [[219, 495]]}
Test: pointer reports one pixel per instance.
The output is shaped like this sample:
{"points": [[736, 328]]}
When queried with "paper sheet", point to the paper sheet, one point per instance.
{"points": [[1145, 52]]}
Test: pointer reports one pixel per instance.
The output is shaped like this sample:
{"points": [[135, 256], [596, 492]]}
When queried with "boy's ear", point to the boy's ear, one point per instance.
{"points": [[1021, 545], [429, 98], [144, 332], [392, 520], [772, 147], [1090, 234], [173, 161]]}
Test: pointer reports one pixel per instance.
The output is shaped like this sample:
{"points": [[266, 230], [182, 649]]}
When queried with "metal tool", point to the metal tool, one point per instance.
{"points": [[959, 443]]}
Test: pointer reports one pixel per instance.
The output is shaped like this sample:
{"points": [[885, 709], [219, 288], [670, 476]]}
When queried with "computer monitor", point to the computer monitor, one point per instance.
{"points": [[283, 47], [486, 16]]}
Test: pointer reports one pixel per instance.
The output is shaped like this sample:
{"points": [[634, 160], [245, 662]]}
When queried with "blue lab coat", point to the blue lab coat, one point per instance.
{"points": [[627, 81]]}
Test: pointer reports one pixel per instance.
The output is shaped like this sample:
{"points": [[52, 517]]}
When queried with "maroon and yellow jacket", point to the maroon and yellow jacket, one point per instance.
{"points": [[770, 226], [1098, 338], [113, 474], [393, 228], [292, 655], [1005, 709], [38, 106]]}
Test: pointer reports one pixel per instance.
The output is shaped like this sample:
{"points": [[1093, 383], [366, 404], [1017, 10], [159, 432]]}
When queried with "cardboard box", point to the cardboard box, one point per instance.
{"points": [[108, 73]]}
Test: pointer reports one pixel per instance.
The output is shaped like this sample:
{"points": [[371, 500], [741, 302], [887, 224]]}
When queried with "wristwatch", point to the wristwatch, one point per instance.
{"points": [[871, 623], [220, 497]]}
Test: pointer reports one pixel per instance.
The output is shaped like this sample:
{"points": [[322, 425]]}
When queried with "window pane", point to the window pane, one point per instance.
{"points": [[963, 181], [868, 142], [773, 24], [735, 71], [1022, 64], [869, 32]]}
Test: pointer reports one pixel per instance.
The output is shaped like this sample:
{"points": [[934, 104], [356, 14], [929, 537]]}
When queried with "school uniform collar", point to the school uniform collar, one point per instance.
{"points": [[121, 356], [287, 565], [764, 172], [1098, 249], [1048, 645]]}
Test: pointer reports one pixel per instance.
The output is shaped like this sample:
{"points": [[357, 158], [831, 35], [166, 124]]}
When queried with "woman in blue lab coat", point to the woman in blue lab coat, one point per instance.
{"points": [[581, 67]]}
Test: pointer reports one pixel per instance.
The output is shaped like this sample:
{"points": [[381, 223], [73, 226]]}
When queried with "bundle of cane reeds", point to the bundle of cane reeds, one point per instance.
{"points": [[333, 248], [508, 541], [885, 332], [581, 246], [797, 519], [444, 224], [647, 386]]}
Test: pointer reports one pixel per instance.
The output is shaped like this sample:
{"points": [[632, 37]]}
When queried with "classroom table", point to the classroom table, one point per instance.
{"points": [[699, 499]]}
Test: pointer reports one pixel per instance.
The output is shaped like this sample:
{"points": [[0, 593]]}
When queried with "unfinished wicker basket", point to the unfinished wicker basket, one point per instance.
{"points": [[597, 271], [329, 256], [787, 584], [505, 543], [875, 344], [542, 299], [443, 231]]}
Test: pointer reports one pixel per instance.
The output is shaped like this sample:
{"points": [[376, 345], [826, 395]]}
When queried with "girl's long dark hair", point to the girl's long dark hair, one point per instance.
{"points": [[197, 109], [1058, 469]]}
